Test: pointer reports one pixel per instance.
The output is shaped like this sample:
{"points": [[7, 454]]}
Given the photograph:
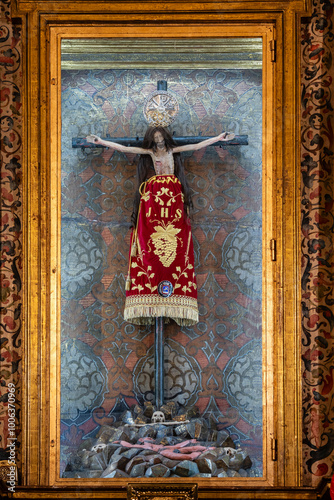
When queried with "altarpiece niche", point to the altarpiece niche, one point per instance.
{"points": [[210, 421]]}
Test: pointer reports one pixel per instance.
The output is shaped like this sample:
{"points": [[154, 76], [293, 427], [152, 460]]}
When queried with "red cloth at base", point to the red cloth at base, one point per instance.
{"points": [[164, 257]]}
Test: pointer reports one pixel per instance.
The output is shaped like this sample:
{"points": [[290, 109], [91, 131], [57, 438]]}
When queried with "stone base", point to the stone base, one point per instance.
{"points": [[181, 444]]}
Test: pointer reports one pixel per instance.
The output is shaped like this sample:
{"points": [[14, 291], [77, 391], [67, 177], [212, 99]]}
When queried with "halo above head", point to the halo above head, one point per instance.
{"points": [[161, 108]]}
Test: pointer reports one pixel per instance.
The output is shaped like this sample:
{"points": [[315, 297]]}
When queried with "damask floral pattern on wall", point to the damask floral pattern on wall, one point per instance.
{"points": [[317, 244], [11, 82]]}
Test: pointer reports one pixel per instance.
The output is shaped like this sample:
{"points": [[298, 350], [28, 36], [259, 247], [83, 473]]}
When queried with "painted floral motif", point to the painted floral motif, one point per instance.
{"points": [[317, 242], [242, 258], [10, 218], [181, 375], [243, 382], [82, 259], [82, 379]]}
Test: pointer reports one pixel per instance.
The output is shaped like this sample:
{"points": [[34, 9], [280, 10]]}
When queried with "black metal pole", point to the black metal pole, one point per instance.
{"points": [[162, 85], [159, 362]]}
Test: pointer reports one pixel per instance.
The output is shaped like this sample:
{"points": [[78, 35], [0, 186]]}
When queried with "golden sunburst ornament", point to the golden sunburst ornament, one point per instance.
{"points": [[161, 108]]}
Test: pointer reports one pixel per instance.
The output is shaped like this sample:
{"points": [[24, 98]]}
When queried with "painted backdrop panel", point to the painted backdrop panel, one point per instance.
{"points": [[107, 363]]}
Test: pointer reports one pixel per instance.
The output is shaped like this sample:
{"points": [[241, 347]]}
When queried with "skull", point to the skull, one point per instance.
{"points": [[157, 417], [230, 451], [98, 447]]}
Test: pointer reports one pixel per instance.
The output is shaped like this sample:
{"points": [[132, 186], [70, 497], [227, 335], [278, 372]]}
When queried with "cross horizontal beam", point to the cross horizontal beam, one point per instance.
{"points": [[239, 140]]}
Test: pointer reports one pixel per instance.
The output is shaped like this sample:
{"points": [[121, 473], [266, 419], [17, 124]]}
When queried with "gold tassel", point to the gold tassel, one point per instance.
{"points": [[134, 249], [128, 284]]}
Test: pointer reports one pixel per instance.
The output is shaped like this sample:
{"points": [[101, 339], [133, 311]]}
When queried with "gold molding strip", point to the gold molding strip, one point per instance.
{"points": [[111, 53]]}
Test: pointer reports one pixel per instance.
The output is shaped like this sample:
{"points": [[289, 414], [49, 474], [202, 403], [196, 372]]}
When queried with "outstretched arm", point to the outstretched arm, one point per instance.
{"points": [[225, 136], [114, 145]]}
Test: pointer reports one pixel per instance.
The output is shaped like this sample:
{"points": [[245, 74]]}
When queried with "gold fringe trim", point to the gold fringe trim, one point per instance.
{"points": [[139, 311]]}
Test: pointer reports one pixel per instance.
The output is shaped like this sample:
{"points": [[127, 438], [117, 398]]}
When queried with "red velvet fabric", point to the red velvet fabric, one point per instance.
{"points": [[161, 260]]}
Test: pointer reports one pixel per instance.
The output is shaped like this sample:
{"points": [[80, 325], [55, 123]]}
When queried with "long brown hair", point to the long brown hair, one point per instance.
{"points": [[145, 165]]}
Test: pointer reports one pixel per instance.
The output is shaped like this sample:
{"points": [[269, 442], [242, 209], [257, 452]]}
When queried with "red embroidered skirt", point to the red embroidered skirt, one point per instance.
{"points": [[161, 279]]}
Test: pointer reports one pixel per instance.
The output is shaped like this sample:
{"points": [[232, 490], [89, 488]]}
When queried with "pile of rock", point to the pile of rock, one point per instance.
{"points": [[178, 443]]}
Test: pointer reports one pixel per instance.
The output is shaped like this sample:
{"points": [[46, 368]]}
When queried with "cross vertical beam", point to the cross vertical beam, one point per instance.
{"points": [[159, 362]]}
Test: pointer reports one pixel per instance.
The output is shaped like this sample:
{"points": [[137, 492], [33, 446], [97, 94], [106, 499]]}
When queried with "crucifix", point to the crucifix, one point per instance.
{"points": [[164, 286]]}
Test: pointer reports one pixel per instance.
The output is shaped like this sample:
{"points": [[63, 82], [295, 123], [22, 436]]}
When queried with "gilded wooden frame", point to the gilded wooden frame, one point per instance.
{"points": [[45, 24], [266, 31]]}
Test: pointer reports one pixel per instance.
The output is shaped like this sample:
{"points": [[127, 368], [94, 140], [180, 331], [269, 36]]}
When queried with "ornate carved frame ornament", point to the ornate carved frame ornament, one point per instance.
{"points": [[45, 25], [162, 491]]}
